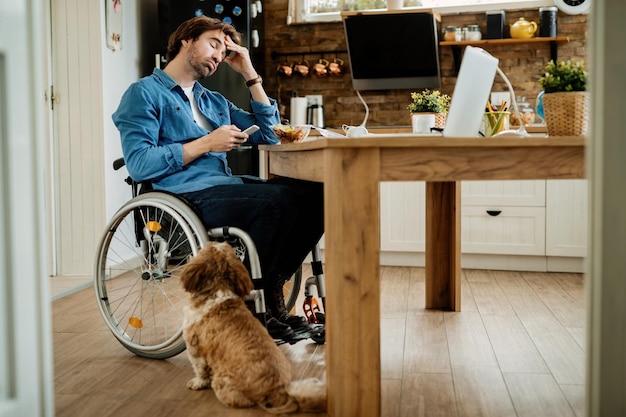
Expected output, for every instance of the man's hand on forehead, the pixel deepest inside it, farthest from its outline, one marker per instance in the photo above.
(228, 41)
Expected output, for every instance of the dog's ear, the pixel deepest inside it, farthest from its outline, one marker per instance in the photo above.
(239, 275)
(197, 275)
(192, 276)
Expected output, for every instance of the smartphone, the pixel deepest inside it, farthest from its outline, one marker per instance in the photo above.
(251, 130)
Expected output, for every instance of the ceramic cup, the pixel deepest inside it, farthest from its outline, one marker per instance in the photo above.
(394, 4)
(336, 67)
(285, 70)
(302, 68)
(320, 68)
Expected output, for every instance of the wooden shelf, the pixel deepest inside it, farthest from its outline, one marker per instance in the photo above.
(505, 41)
(457, 46)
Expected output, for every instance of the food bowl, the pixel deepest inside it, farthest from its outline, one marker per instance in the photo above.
(291, 134)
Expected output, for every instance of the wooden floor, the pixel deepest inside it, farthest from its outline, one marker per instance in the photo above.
(516, 349)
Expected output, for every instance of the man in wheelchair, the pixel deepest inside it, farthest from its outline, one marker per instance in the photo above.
(175, 134)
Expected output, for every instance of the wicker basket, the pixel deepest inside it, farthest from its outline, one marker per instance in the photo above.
(567, 113)
(440, 120)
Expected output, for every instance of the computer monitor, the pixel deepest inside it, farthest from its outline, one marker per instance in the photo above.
(393, 50)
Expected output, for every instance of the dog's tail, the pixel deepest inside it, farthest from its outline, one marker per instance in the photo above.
(307, 395)
(279, 402)
(310, 394)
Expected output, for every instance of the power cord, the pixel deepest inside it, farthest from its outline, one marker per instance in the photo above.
(361, 130)
(522, 130)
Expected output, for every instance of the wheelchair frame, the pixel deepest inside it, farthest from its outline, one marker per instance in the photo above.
(140, 256)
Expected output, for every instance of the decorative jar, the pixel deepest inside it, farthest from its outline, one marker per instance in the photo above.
(449, 33)
(473, 33)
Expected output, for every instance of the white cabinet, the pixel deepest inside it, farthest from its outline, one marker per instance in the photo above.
(402, 216)
(566, 218)
(525, 225)
(498, 217)
(503, 217)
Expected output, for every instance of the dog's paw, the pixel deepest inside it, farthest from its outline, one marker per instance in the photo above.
(198, 384)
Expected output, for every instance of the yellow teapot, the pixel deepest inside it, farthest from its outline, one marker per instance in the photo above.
(523, 29)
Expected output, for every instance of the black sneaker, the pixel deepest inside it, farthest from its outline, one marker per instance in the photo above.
(295, 322)
(276, 329)
(275, 300)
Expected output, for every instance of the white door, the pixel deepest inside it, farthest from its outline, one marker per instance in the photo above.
(25, 335)
(77, 171)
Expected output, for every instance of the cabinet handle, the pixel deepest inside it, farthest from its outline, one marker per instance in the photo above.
(494, 212)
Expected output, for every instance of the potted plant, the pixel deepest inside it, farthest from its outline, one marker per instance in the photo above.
(428, 105)
(565, 98)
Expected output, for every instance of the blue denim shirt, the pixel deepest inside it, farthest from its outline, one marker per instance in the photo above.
(154, 119)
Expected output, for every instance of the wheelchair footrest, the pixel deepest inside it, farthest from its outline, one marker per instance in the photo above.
(315, 332)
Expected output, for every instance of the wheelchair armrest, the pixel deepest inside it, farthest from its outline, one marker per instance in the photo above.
(138, 187)
(118, 163)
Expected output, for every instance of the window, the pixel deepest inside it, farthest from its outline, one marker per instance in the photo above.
(310, 11)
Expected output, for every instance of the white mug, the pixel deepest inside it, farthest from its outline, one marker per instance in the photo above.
(395, 4)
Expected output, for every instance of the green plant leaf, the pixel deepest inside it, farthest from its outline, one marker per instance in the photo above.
(429, 101)
(564, 76)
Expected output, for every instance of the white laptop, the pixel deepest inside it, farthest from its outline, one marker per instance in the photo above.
(471, 93)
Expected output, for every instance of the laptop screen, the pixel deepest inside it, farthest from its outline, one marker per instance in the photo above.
(471, 93)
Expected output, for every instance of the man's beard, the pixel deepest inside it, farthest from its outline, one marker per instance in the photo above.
(198, 65)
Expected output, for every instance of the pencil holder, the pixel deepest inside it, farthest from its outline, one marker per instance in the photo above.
(496, 122)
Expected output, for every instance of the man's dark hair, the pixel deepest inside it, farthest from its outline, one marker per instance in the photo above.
(193, 28)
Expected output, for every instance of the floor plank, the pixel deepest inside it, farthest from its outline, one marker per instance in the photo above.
(428, 395)
(481, 391)
(537, 395)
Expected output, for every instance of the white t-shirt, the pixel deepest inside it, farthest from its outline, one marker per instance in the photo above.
(197, 116)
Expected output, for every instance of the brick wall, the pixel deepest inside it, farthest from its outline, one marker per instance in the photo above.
(522, 63)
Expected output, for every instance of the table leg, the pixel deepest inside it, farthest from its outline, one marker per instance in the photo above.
(443, 245)
(352, 248)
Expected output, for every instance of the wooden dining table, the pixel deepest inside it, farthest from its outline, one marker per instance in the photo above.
(352, 170)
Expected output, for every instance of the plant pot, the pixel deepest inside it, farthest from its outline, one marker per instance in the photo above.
(439, 121)
(422, 122)
(567, 113)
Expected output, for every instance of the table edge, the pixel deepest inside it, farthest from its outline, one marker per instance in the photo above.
(428, 142)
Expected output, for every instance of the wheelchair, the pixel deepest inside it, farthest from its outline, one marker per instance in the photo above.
(140, 257)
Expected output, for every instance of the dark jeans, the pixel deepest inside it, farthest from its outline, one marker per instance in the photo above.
(284, 217)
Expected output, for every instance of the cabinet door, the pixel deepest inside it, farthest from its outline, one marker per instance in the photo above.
(530, 193)
(566, 218)
(402, 216)
(503, 230)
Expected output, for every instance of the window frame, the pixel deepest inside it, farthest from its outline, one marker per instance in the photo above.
(297, 10)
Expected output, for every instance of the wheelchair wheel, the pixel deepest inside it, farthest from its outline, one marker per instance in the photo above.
(291, 289)
(137, 268)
